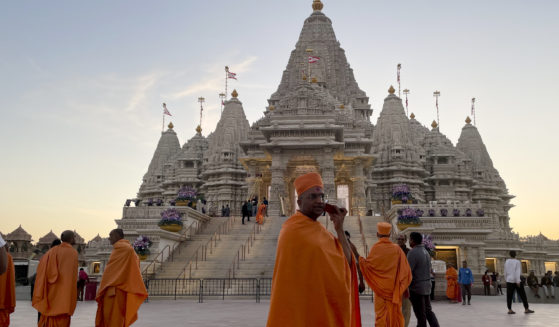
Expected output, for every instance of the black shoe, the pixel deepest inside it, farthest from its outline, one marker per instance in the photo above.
(469, 303)
(529, 311)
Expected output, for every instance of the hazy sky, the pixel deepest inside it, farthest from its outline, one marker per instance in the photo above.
(82, 85)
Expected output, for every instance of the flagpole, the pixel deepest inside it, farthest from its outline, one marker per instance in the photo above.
(163, 124)
(406, 92)
(474, 110)
(222, 97)
(226, 73)
(437, 94)
(399, 67)
(201, 100)
(309, 51)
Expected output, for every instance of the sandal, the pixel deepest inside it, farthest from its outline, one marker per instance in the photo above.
(511, 312)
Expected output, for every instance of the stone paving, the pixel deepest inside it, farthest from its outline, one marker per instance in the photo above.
(484, 311)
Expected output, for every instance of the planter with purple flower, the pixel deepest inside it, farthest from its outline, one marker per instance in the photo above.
(431, 212)
(141, 246)
(170, 220)
(444, 212)
(409, 218)
(480, 212)
(429, 244)
(186, 194)
(401, 194)
(468, 212)
(456, 212)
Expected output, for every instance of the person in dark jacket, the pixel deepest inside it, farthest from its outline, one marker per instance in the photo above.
(244, 211)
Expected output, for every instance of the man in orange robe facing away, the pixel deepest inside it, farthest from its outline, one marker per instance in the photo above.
(260, 214)
(452, 286)
(388, 273)
(122, 288)
(315, 277)
(55, 294)
(7, 292)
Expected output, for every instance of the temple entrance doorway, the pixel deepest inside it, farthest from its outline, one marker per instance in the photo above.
(297, 166)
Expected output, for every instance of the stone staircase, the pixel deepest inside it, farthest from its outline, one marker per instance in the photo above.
(259, 262)
(187, 250)
(256, 258)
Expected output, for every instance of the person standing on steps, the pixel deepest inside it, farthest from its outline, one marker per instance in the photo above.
(465, 279)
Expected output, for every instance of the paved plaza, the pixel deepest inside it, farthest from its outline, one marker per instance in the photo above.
(484, 311)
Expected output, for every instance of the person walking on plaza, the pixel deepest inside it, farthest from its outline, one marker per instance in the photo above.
(315, 274)
(82, 279)
(532, 281)
(244, 211)
(7, 289)
(122, 288)
(55, 294)
(420, 288)
(486, 279)
(452, 286)
(406, 303)
(499, 283)
(249, 207)
(387, 272)
(465, 279)
(556, 279)
(547, 285)
(512, 277)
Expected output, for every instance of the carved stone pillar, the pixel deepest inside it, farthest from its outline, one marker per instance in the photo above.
(358, 196)
(251, 180)
(327, 167)
(277, 187)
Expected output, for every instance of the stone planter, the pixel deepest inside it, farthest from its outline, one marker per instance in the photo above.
(402, 227)
(171, 228)
(181, 203)
(143, 256)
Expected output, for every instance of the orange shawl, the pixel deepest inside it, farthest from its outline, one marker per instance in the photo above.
(56, 289)
(122, 278)
(387, 272)
(452, 291)
(313, 285)
(260, 214)
(8, 287)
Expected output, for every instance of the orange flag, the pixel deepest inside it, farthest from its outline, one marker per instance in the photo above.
(56, 292)
(122, 288)
(388, 274)
(312, 282)
(7, 293)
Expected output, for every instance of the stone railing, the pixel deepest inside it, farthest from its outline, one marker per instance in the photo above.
(155, 213)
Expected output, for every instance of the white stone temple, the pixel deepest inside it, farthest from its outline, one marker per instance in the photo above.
(319, 120)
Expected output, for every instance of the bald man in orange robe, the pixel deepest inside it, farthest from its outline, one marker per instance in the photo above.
(260, 214)
(388, 273)
(122, 288)
(55, 294)
(7, 292)
(315, 277)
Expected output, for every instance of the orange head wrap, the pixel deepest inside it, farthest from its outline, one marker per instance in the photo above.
(384, 228)
(305, 182)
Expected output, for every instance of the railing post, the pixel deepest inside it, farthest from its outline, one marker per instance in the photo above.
(176, 282)
(223, 297)
(258, 291)
(201, 295)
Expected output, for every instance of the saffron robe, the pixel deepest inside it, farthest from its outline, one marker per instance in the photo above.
(7, 293)
(452, 286)
(122, 288)
(260, 214)
(313, 284)
(388, 274)
(55, 294)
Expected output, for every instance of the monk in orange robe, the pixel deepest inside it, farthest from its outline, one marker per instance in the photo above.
(7, 292)
(452, 286)
(55, 294)
(315, 277)
(388, 274)
(122, 288)
(260, 213)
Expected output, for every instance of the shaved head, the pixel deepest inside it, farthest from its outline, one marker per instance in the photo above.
(67, 237)
(116, 235)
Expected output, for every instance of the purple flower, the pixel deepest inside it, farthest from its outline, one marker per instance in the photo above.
(456, 212)
(468, 212)
(431, 212)
(480, 212)
(170, 216)
(141, 245)
(186, 193)
(444, 212)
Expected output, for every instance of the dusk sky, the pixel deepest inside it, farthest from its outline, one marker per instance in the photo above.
(82, 85)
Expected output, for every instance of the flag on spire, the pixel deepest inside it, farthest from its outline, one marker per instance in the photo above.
(165, 111)
(313, 59)
(231, 75)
